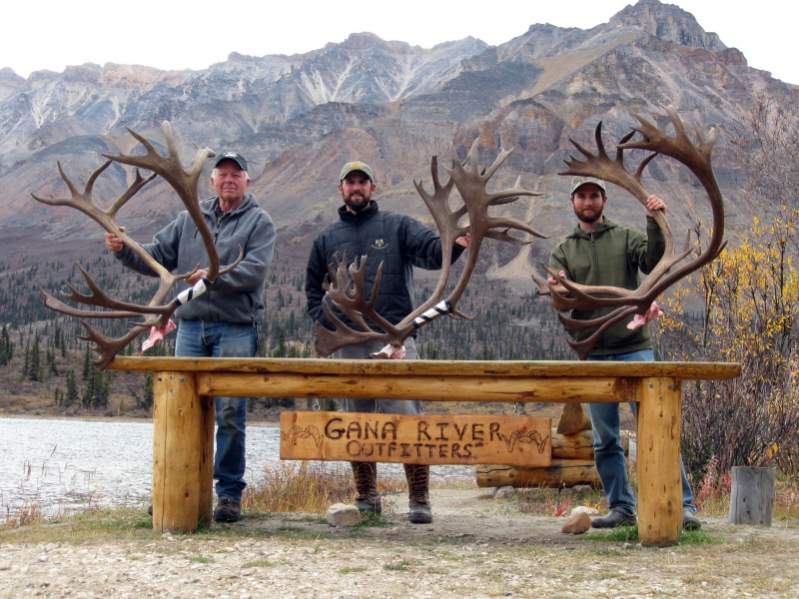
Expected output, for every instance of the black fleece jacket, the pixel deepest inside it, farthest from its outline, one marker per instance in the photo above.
(398, 241)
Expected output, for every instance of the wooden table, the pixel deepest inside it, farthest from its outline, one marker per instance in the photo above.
(183, 416)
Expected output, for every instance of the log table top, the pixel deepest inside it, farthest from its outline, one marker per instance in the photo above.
(483, 368)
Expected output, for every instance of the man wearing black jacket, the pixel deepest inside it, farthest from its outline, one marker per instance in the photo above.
(400, 243)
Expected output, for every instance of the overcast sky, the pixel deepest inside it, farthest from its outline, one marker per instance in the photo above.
(177, 34)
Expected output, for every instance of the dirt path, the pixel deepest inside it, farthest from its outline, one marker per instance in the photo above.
(477, 547)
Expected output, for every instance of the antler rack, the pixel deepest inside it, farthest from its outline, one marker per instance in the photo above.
(624, 303)
(346, 284)
(157, 311)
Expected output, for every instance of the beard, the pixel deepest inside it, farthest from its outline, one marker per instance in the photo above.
(357, 201)
(588, 216)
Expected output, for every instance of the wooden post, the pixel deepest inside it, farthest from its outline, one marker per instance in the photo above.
(207, 463)
(179, 433)
(752, 499)
(659, 485)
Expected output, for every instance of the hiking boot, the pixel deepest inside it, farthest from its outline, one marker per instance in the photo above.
(689, 520)
(419, 513)
(365, 475)
(613, 519)
(419, 510)
(227, 510)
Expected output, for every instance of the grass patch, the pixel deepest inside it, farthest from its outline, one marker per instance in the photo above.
(544, 501)
(629, 534)
(200, 559)
(128, 524)
(400, 566)
(373, 521)
(306, 534)
(306, 488)
(352, 569)
(27, 514)
(259, 563)
(698, 537)
(87, 526)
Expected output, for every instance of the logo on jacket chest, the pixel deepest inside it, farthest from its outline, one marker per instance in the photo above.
(379, 244)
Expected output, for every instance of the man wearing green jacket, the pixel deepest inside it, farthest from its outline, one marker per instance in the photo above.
(601, 252)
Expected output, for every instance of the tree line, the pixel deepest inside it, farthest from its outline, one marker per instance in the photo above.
(46, 350)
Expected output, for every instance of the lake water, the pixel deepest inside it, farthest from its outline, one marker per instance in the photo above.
(67, 465)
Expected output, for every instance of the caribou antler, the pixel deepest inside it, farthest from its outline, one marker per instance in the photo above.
(345, 285)
(157, 311)
(568, 295)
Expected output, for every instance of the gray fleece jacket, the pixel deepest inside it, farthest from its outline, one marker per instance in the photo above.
(235, 297)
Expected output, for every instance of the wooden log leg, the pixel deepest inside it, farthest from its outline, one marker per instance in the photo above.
(178, 433)
(659, 486)
(207, 463)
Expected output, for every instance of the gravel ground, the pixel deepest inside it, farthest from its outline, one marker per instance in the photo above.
(477, 547)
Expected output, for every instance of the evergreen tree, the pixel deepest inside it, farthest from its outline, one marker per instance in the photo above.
(52, 367)
(60, 344)
(25, 363)
(6, 347)
(280, 350)
(89, 390)
(71, 396)
(100, 399)
(147, 399)
(88, 367)
(34, 363)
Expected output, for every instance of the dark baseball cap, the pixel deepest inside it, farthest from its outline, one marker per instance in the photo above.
(234, 156)
(356, 166)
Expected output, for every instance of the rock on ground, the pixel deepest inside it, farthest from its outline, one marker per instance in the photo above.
(342, 514)
(576, 524)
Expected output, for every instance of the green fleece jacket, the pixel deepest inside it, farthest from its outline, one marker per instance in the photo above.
(612, 255)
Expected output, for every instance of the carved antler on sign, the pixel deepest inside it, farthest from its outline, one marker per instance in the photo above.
(346, 284)
(156, 312)
(568, 295)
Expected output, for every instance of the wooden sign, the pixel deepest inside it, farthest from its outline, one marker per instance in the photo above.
(359, 437)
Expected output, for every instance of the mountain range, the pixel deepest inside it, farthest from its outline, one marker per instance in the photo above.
(298, 118)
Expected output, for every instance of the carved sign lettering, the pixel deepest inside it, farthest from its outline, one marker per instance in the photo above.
(512, 440)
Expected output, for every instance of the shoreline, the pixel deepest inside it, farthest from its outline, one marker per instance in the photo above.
(100, 418)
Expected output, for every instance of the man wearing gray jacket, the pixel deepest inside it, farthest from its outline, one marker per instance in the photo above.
(222, 322)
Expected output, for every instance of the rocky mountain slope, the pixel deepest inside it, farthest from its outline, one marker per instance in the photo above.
(298, 118)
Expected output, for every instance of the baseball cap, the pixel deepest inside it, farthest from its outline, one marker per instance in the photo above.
(578, 182)
(357, 165)
(234, 156)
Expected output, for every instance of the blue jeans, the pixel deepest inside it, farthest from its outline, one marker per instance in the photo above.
(381, 406)
(608, 452)
(198, 338)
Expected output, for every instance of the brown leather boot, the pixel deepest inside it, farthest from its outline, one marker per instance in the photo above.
(419, 511)
(365, 475)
